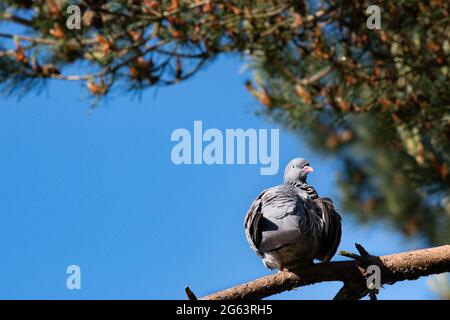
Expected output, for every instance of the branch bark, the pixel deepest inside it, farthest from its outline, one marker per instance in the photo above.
(395, 267)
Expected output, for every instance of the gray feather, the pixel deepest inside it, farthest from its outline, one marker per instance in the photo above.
(331, 233)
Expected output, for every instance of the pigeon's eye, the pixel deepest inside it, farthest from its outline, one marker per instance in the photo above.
(293, 166)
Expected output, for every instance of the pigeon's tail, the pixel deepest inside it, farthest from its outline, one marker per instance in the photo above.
(351, 292)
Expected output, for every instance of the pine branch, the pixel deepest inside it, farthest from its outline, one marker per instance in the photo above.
(395, 267)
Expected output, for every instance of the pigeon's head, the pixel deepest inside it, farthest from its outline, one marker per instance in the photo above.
(297, 170)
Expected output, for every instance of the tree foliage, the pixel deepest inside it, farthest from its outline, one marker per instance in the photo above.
(374, 99)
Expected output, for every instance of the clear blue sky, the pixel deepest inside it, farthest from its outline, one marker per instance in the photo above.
(97, 188)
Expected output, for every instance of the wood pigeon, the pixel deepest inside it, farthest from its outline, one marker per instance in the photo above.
(289, 225)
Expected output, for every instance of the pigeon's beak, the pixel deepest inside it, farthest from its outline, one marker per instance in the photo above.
(308, 169)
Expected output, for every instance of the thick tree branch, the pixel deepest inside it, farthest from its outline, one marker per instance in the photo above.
(395, 267)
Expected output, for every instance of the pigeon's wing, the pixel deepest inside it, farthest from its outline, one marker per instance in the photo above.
(278, 217)
(252, 223)
(331, 233)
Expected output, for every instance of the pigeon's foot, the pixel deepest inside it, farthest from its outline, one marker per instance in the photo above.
(295, 267)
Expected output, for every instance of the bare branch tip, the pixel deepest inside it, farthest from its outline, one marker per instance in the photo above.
(348, 254)
(362, 251)
(190, 294)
